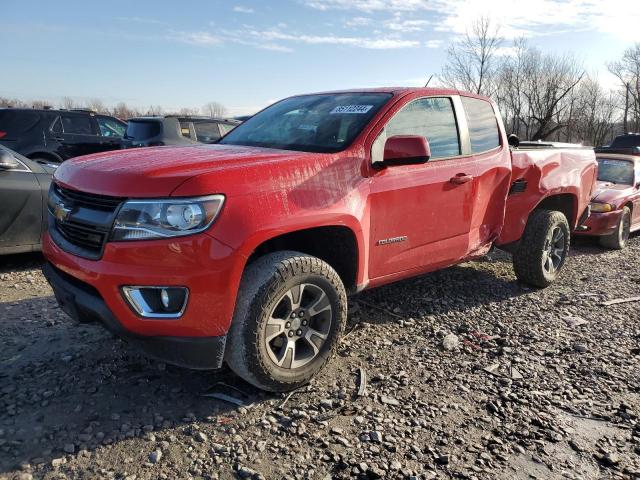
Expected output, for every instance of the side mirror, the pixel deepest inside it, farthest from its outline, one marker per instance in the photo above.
(7, 162)
(513, 140)
(405, 150)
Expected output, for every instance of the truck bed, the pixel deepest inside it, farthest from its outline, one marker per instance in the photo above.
(540, 171)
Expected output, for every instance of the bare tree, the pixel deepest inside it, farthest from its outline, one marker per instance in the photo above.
(214, 109)
(155, 110)
(124, 112)
(96, 105)
(68, 103)
(627, 70)
(534, 91)
(40, 104)
(186, 111)
(471, 62)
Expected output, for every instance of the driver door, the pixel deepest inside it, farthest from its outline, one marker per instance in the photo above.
(420, 218)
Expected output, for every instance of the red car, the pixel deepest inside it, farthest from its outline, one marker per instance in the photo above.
(245, 251)
(615, 206)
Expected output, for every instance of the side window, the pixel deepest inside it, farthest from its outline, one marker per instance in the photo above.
(77, 124)
(637, 173)
(207, 132)
(483, 126)
(185, 129)
(110, 127)
(226, 128)
(432, 118)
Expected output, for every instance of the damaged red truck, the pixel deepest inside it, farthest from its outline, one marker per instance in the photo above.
(244, 252)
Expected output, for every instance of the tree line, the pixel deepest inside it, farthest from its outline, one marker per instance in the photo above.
(120, 110)
(545, 96)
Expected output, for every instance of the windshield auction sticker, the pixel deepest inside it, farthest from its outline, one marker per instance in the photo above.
(357, 109)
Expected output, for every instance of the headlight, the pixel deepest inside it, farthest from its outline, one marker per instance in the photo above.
(598, 207)
(170, 217)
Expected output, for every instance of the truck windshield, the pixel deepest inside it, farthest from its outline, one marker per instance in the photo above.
(310, 123)
(615, 171)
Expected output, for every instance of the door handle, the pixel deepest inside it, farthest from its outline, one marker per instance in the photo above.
(461, 178)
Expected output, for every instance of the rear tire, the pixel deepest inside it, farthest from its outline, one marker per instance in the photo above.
(290, 313)
(618, 239)
(543, 248)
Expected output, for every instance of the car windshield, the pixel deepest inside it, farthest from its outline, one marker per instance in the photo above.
(142, 129)
(309, 123)
(615, 171)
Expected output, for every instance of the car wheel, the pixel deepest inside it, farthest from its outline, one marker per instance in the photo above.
(543, 248)
(290, 313)
(618, 239)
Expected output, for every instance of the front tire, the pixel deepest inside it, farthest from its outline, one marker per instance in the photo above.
(543, 248)
(618, 239)
(290, 313)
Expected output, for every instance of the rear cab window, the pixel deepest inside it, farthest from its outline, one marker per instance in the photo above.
(482, 123)
(142, 129)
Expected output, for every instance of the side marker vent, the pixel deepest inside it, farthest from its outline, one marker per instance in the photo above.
(519, 186)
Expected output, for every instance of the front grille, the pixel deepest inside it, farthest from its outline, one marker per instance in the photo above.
(82, 236)
(89, 200)
(85, 226)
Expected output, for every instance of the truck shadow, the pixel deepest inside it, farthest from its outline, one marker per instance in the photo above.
(459, 288)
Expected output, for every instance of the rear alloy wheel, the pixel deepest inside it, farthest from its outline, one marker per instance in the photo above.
(543, 248)
(618, 239)
(290, 313)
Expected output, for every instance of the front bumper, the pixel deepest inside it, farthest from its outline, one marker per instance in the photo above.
(601, 224)
(83, 303)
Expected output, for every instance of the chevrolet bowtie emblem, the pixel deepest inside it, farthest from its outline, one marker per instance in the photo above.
(61, 213)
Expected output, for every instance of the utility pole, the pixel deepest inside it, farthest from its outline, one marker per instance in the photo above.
(626, 107)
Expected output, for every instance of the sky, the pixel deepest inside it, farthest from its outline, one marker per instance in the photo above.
(247, 54)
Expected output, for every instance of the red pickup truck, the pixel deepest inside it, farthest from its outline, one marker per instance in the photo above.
(244, 251)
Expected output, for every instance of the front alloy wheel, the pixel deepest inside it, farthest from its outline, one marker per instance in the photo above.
(290, 312)
(298, 326)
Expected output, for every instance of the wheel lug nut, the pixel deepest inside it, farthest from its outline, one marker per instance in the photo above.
(304, 323)
(293, 315)
(291, 333)
(299, 332)
(288, 324)
(301, 314)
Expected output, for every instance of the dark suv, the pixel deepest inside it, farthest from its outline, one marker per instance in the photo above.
(627, 140)
(175, 130)
(56, 135)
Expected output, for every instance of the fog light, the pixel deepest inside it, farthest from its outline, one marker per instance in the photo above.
(164, 296)
(157, 302)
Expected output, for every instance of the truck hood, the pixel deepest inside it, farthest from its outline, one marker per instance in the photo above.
(157, 172)
(607, 192)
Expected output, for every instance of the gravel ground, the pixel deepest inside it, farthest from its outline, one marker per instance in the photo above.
(468, 375)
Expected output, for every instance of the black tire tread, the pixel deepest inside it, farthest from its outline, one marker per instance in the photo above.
(527, 258)
(259, 283)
